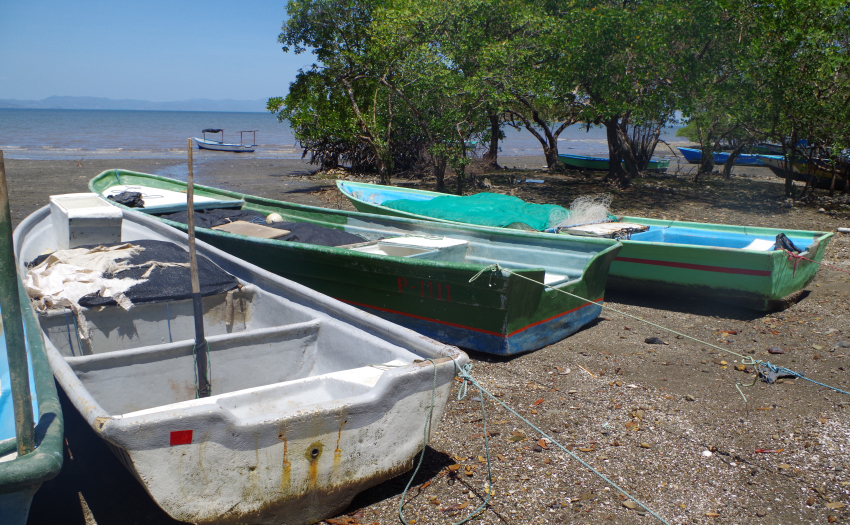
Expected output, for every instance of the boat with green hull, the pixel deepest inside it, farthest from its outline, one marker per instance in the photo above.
(418, 274)
(583, 162)
(21, 476)
(737, 264)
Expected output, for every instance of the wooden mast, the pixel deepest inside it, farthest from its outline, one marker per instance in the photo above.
(203, 385)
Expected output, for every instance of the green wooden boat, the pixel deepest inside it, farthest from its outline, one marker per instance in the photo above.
(582, 162)
(417, 273)
(735, 264)
(20, 477)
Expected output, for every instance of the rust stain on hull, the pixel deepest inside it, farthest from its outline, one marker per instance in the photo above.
(314, 452)
(286, 475)
(337, 451)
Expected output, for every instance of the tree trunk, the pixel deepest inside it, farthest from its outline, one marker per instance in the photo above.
(727, 169)
(706, 162)
(440, 172)
(615, 153)
(492, 154)
(789, 172)
(460, 175)
(550, 140)
(383, 172)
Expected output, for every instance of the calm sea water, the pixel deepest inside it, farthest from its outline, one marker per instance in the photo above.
(75, 134)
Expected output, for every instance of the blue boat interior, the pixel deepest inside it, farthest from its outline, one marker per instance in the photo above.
(7, 412)
(378, 196)
(715, 239)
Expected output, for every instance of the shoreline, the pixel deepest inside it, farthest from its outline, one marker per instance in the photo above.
(32, 181)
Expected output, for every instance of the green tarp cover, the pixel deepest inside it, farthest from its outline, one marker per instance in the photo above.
(485, 209)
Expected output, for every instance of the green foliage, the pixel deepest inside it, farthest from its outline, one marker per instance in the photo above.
(398, 83)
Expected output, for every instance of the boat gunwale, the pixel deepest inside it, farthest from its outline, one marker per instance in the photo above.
(412, 262)
(46, 460)
(444, 355)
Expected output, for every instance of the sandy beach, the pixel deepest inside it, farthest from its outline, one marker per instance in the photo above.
(665, 422)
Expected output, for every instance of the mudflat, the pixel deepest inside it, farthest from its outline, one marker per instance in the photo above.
(665, 422)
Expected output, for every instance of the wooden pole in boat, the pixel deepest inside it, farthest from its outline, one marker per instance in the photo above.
(13, 327)
(200, 341)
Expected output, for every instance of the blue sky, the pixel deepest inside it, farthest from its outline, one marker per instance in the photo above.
(149, 50)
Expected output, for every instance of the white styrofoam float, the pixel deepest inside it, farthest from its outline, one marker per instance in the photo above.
(84, 218)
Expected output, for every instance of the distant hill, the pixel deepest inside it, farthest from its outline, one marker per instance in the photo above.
(141, 105)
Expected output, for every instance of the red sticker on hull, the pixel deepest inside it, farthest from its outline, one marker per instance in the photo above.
(181, 437)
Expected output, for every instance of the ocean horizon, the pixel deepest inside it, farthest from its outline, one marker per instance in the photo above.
(56, 134)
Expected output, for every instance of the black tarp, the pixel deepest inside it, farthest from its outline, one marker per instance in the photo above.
(309, 233)
(211, 130)
(163, 284)
(216, 217)
(131, 199)
(303, 232)
(784, 243)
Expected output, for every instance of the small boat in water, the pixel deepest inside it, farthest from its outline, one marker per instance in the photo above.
(819, 175)
(737, 264)
(582, 162)
(21, 476)
(312, 400)
(414, 273)
(694, 156)
(220, 145)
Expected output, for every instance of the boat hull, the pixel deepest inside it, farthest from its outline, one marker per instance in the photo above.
(754, 279)
(761, 280)
(285, 451)
(224, 146)
(694, 156)
(267, 473)
(501, 313)
(582, 162)
(804, 172)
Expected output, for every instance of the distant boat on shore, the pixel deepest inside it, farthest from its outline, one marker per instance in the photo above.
(819, 174)
(694, 156)
(220, 145)
(583, 162)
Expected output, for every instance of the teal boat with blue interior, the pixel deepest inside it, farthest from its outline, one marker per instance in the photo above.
(745, 265)
(21, 476)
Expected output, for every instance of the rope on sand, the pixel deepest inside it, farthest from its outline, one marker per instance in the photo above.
(766, 365)
(465, 374)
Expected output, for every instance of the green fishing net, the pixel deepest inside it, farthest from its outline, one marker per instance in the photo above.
(486, 209)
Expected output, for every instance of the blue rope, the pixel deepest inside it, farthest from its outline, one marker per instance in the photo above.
(465, 375)
(783, 370)
(481, 508)
(493, 268)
